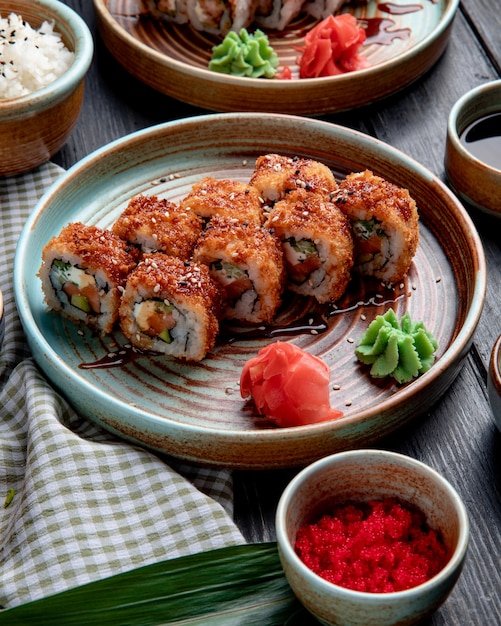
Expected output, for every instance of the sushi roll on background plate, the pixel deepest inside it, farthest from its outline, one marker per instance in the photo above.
(385, 223)
(172, 307)
(247, 261)
(317, 242)
(83, 271)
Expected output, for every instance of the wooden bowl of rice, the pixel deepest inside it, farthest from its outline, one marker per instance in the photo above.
(46, 52)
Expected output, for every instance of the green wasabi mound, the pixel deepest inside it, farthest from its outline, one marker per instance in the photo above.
(403, 351)
(245, 54)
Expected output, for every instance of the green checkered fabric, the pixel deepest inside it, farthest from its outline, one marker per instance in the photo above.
(76, 503)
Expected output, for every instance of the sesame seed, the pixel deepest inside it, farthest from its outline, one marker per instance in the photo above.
(336, 387)
(350, 340)
(348, 403)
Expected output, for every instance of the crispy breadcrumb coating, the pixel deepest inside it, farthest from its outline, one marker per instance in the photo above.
(318, 244)
(255, 256)
(187, 286)
(385, 223)
(158, 225)
(276, 175)
(229, 198)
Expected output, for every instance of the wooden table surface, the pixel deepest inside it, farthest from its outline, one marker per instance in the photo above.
(457, 437)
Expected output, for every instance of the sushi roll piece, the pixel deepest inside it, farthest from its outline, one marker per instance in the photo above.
(247, 261)
(158, 225)
(317, 244)
(276, 175)
(277, 14)
(210, 16)
(171, 307)
(226, 197)
(83, 272)
(167, 10)
(385, 223)
(242, 13)
(321, 9)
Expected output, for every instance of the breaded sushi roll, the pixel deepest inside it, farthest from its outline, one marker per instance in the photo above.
(385, 224)
(247, 261)
(171, 307)
(167, 10)
(220, 16)
(226, 197)
(158, 225)
(83, 272)
(277, 14)
(317, 243)
(276, 175)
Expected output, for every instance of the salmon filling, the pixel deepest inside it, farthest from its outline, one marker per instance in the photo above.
(301, 259)
(369, 239)
(155, 318)
(234, 280)
(80, 287)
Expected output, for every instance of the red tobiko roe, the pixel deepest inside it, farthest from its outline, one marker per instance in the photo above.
(288, 385)
(332, 47)
(381, 546)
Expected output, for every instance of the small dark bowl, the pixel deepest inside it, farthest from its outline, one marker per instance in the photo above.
(475, 182)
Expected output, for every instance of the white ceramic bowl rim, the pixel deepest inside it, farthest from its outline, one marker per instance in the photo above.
(368, 597)
(455, 112)
(59, 88)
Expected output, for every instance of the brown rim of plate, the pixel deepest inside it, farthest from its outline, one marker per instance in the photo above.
(173, 59)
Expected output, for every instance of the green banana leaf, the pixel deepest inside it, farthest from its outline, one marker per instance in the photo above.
(235, 586)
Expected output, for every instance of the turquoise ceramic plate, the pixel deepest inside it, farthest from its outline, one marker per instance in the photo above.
(195, 411)
(404, 40)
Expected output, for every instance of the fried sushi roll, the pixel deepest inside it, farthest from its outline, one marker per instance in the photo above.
(317, 243)
(83, 271)
(247, 261)
(171, 307)
(226, 197)
(158, 225)
(277, 14)
(276, 175)
(385, 224)
(167, 10)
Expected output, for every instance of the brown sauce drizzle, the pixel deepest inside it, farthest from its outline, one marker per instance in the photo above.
(314, 322)
(378, 31)
(397, 9)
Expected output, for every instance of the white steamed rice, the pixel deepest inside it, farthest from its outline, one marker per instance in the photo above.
(29, 59)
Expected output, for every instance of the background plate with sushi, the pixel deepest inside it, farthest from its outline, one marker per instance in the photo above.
(195, 411)
(404, 41)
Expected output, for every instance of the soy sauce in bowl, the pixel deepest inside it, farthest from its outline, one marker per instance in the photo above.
(482, 138)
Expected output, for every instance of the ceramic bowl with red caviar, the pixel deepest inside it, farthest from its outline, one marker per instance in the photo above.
(371, 537)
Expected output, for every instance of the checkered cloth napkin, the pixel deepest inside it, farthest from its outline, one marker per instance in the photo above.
(76, 503)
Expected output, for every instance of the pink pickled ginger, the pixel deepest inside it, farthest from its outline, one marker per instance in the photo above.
(288, 385)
